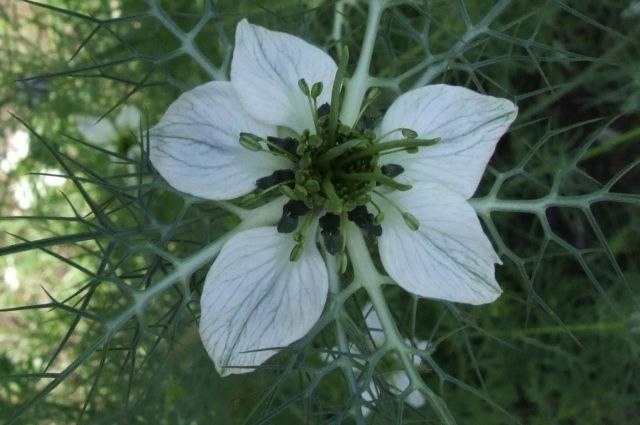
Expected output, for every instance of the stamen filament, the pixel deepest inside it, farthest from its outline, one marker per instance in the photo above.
(336, 151)
(409, 219)
(381, 178)
(380, 147)
(336, 90)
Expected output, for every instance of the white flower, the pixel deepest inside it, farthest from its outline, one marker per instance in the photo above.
(17, 149)
(102, 131)
(271, 128)
(11, 278)
(23, 194)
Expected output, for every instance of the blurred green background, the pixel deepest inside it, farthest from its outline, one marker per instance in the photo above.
(84, 217)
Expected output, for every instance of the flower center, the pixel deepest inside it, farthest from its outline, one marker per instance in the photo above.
(335, 169)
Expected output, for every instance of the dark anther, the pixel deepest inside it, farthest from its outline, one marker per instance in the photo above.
(290, 213)
(275, 178)
(368, 121)
(287, 223)
(359, 215)
(287, 144)
(324, 110)
(330, 225)
(365, 220)
(375, 230)
(392, 170)
(295, 208)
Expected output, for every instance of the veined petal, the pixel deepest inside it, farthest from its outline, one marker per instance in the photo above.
(255, 300)
(266, 68)
(469, 125)
(196, 148)
(449, 257)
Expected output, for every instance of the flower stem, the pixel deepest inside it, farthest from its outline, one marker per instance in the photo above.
(359, 83)
(366, 274)
(341, 336)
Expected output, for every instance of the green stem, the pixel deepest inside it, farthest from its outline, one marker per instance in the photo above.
(552, 330)
(341, 336)
(359, 83)
(338, 22)
(366, 274)
(629, 136)
(186, 40)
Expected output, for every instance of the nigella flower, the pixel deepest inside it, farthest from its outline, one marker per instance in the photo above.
(274, 130)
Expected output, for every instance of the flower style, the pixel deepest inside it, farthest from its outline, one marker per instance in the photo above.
(274, 130)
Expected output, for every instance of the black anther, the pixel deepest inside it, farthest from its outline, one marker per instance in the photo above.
(287, 144)
(330, 225)
(392, 170)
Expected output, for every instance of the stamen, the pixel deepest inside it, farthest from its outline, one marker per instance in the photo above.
(334, 203)
(301, 235)
(284, 144)
(330, 225)
(340, 149)
(409, 219)
(316, 90)
(381, 178)
(312, 96)
(250, 141)
(277, 177)
(380, 214)
(296, 252)
(290, 213)
(392, 170)
(324, 110)
(408, 133)
(405, 144)
(365, 220)
(336, 93)
(304, 87)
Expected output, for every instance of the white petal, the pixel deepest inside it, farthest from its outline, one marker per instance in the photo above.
(96, 130)
(469, 125)
(196, 148)
(449, 257)
(266, 68)
(255, 300)
(128, 120)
